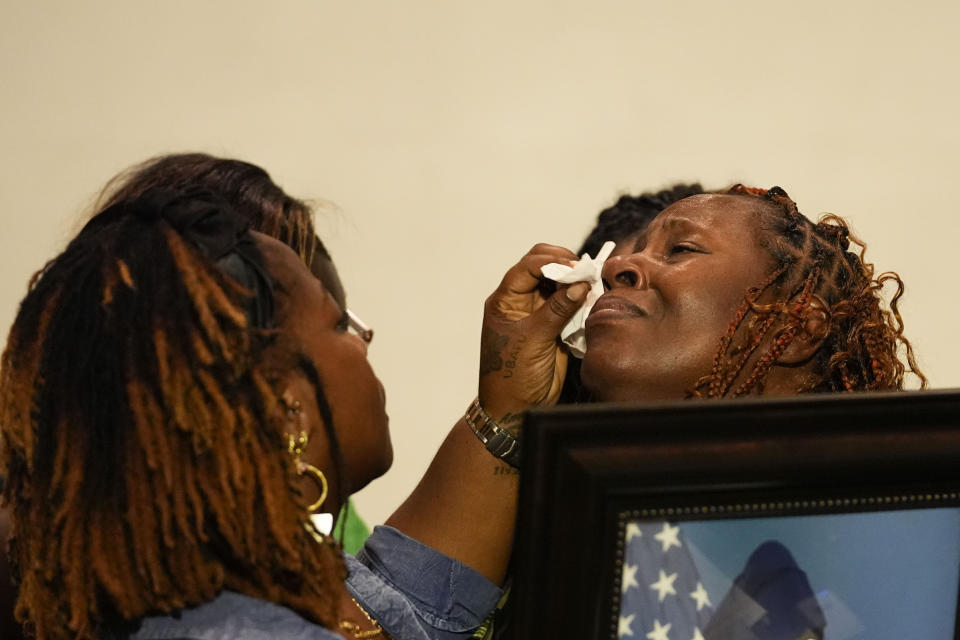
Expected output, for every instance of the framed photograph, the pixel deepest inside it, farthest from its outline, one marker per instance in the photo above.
(828, 517)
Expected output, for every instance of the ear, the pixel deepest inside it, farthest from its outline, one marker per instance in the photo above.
(814, 329)
(297, 404)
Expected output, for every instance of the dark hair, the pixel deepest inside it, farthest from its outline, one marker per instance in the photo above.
(247, 187)
(863, 342)
(629, 215)
(145, 463)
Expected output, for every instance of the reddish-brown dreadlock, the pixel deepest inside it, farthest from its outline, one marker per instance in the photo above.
(145, 465)
(864, 341)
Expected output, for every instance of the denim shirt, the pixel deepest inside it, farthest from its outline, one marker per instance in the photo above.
(413, 591)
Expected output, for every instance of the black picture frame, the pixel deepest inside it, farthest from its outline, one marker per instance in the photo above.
(586, 468)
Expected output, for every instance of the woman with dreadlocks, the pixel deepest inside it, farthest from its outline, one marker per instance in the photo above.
(178, 393)
(254, 196)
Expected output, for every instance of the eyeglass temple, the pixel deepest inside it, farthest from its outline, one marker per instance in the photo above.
(365, 332)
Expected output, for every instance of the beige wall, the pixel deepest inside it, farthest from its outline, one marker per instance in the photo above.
(454, 135)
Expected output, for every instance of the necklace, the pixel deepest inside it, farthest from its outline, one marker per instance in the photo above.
(354, 628)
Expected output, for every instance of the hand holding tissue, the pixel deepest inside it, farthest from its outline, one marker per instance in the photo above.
(589, 270)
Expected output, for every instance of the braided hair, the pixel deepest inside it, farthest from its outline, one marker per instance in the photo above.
(864, 340)
(143, 452)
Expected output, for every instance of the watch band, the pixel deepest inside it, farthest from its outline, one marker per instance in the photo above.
(497, 441)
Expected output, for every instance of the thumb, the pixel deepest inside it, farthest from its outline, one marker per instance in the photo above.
(549, 319)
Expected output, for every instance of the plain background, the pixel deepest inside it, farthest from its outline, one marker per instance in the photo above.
(452, 136)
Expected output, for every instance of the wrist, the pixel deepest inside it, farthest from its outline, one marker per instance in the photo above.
(502, 440)
(504, 408)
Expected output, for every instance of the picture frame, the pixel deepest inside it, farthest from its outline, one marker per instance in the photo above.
(589, 471)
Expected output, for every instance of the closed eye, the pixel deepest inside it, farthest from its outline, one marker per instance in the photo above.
(684, 247)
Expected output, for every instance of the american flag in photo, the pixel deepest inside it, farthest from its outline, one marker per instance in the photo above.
(661, 596)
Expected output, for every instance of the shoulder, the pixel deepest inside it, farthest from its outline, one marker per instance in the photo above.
(232, 616)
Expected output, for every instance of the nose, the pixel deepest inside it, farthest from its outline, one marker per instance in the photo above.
(624, 271)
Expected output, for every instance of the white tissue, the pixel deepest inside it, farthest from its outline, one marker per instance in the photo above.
(587, 269)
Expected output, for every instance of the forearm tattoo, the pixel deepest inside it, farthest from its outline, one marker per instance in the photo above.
(512, 423)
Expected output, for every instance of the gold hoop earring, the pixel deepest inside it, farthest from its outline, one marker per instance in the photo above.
(321, 479)
(296, 444)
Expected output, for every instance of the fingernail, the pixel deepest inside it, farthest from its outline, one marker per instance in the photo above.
(577, 292)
